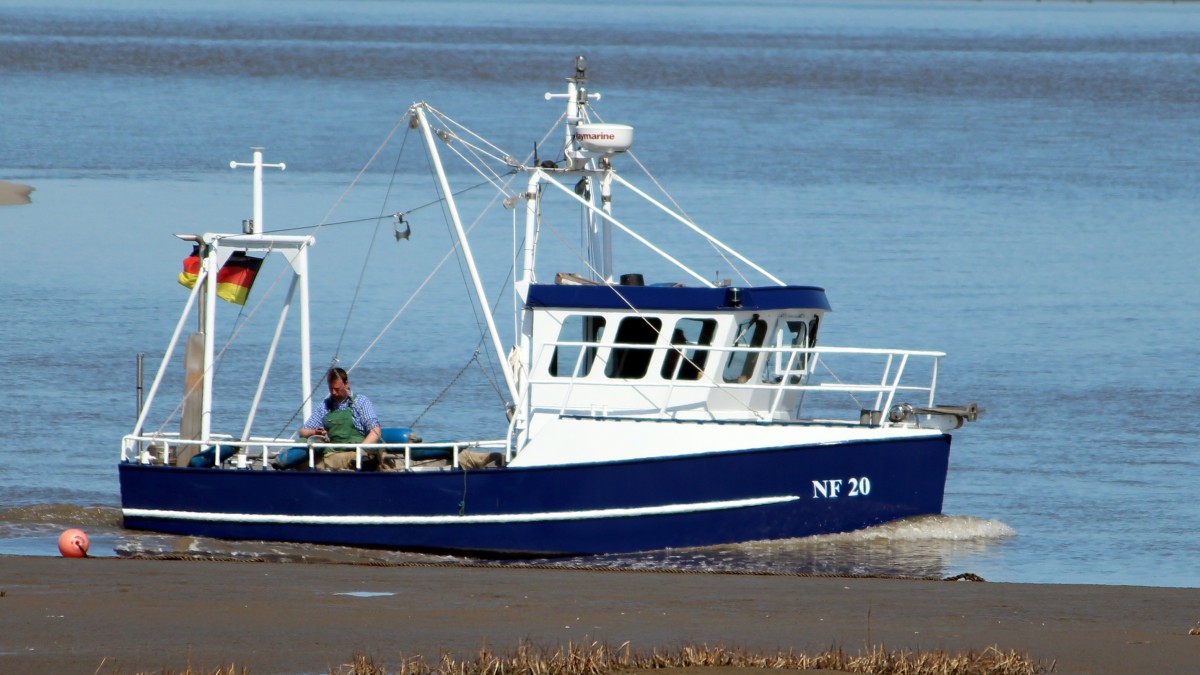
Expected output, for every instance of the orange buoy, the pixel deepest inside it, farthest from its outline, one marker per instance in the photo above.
(73, 544)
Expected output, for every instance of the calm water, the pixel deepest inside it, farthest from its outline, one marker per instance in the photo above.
(1013, 183)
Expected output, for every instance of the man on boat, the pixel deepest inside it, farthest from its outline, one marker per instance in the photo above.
(344, 418)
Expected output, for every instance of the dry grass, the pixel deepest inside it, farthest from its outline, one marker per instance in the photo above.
(600, 659)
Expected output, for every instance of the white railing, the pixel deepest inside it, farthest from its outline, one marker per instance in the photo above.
(785, 383)
(258, 452)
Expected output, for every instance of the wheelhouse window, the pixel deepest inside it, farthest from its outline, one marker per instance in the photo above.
(740, 366)
(633, 362)
(791, 332)
(685, 360)
(576, 360)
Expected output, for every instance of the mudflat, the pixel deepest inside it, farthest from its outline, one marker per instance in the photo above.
(107, 614)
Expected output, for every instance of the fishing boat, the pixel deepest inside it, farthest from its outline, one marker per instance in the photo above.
(652, 409)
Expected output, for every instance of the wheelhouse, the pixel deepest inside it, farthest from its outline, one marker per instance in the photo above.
(668, 350)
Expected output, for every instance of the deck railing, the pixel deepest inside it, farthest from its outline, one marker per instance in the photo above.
(162, 448)
(783, 383)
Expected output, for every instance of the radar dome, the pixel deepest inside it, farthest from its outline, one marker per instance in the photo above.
(604, 139)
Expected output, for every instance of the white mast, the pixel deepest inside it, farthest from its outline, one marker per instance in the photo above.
(256, 222)
(588, 148)
(599, 237)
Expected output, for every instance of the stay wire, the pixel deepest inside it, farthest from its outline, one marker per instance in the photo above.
(335, 359)
(355, 221)
(442, 393)
(645, 171)
(370, 248)
(480, 326)
(477, 160)
(420, 288)
(441, 201)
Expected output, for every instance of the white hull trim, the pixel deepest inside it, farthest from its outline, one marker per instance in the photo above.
(665, 510)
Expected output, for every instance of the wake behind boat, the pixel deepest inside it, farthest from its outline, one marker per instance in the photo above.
(640, 412)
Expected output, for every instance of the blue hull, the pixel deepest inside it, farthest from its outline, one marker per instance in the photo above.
(749, 495)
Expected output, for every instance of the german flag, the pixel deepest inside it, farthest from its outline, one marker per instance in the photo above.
(191, 268)
(236, 276)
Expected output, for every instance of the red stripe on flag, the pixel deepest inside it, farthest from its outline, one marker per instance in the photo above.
(191, 268)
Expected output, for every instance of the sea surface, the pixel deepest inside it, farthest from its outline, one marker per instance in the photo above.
(1014, 183)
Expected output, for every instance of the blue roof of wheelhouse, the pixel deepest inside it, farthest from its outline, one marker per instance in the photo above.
(680, 298)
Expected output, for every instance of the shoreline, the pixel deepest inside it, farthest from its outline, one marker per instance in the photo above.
(72, 615)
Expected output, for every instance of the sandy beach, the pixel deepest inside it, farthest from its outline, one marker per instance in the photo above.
(12, 194)
(72, 615)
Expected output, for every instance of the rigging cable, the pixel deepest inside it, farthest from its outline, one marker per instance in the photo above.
(732, 265)
(325, 220)
(474, 358)
(370, 247)
(335, 359)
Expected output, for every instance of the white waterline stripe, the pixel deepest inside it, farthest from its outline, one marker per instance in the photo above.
(669, 509)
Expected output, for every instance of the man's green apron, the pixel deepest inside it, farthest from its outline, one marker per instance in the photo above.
(339, 424)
